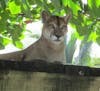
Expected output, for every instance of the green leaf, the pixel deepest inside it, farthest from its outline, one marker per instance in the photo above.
(56, 3)
(1, 39)
(3, 20)
(97, 27)
(18, 44)
(94, 3)
(94, 6)
(14, 9)
(96, 61)
(3, 4)
(6, 41)
(74, 6)
(93, 36)
(90, 3)
(31, 2)
(2, 46)
(97, 3)
(98, 40)
(65, 2)
(1, 43)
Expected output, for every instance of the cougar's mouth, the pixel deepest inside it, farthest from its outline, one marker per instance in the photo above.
(55, 38)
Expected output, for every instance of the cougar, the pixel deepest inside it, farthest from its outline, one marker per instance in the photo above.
(50, 47)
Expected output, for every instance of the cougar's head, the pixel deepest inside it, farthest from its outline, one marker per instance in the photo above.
(54, 27)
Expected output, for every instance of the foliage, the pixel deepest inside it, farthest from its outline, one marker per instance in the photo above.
(97, 61)
(14, 14)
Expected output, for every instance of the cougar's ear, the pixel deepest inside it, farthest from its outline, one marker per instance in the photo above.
(45, 15)
(67, 17)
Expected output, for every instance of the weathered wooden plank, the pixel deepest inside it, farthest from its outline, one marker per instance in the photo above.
(40, 81)
(42, 66)
(42, 76)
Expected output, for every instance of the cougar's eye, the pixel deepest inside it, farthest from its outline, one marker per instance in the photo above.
(64, 28)
(51, 27)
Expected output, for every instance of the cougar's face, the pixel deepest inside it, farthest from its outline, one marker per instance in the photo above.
(54, 28)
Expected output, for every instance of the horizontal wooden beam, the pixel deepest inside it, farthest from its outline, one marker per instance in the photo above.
(42, 66)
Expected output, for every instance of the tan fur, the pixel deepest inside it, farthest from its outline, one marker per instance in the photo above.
(48, 47)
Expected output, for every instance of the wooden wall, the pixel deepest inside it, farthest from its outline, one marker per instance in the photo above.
(16, 76)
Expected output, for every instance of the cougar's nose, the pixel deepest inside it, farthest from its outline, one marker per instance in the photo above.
(58, 36)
